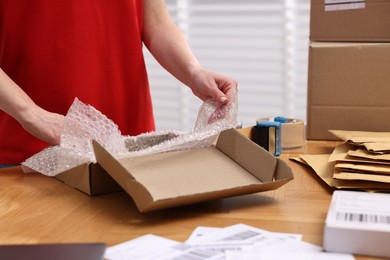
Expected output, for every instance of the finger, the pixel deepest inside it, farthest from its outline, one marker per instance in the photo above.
(219, 113)
(230, 91)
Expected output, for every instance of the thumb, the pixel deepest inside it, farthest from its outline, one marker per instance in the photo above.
(219, 96)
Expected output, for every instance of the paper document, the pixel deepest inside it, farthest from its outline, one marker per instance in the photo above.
(233, 242)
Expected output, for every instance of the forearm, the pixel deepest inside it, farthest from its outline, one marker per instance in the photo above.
(42, 124)
(167, 43)
(13, 100)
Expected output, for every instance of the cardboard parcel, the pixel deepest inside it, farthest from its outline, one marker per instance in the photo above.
(350, 21)
(347, 88)
(234, 166)
(161, 169)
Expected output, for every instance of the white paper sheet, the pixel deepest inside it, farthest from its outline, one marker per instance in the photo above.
(287, 256)
(238, 241)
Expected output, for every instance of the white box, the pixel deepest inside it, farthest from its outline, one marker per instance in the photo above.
(358, 223)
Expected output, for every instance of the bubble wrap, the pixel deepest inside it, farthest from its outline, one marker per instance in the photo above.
(83, 123)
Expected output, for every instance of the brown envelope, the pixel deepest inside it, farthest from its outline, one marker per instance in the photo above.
(363, 153)
(359, 137)
(340, 154)
(325, 170)
(363, 168)
(377, 147)
(298, 159)
(362, 177)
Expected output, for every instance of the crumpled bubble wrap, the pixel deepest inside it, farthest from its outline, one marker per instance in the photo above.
(83, 123)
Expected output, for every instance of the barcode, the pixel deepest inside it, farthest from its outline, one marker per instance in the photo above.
(362, 218)
(242, 236)
(197, 254)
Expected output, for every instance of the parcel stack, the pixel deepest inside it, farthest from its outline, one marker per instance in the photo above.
(349, 73)
(361, 162)
(364, 157)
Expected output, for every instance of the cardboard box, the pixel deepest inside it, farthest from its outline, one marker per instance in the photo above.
(358, 223)
(350, 21)
(89, 178)
(234, 166)
(348, 88)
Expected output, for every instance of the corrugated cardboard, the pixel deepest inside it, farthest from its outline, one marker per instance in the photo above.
(92, 179)
(358, 223)
(234, 166)
(89, 178)
(348, 88)
(370, 23)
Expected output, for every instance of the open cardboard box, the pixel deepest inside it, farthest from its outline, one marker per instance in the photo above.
(89, 178)
(234, 166)
(92, 179)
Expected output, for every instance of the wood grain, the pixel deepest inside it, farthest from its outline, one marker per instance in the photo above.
(39, 209)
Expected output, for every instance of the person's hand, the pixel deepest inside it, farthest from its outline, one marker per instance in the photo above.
(206, 84)
(221, 89)
(44, 125)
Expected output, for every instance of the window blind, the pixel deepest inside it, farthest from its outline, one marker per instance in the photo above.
(260, 43)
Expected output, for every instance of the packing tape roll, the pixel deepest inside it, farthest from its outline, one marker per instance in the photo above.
(292, 132)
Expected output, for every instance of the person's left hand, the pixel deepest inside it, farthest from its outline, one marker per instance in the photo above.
(207, 84)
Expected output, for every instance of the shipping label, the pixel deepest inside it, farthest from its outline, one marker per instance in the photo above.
(336, 5)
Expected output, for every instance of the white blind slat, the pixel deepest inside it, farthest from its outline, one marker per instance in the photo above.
(261, 44)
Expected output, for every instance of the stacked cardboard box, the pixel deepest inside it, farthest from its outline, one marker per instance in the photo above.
(349, 67)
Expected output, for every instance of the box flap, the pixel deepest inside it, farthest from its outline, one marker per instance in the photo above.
(261, 156)
(182, 177)
(100, 181)
(77, 177)
(89, 178)
(247, 154)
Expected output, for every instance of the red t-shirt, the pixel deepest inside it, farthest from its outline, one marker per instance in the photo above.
(58, 50)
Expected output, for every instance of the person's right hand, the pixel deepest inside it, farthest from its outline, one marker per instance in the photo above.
(15, 102)
(43, 124)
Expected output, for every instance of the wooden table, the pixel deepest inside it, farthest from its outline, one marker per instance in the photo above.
(39, 209)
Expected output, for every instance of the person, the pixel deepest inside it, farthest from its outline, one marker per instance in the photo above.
(54, 51)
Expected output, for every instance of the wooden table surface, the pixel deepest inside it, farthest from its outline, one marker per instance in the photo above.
(39, 209)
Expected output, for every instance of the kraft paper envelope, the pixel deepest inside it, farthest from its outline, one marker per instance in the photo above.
(366, 172)
(364, 168)
(340, 154)
(359, 137)
(377, 147)
(325, 170)
(362, 177)
(319, 163)
(298, 159)
(363, 153)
